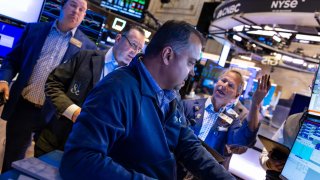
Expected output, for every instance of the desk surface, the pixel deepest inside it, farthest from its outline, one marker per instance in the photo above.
(53, 158)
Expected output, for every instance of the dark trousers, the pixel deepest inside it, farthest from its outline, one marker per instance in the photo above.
(24, 121)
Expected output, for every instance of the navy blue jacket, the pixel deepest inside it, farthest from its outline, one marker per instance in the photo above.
(24, 56)
(237, 134)
(121, 133)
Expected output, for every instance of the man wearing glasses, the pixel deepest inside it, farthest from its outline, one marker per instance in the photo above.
(67, 86)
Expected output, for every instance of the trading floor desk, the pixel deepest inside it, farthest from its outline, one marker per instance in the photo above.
(53, 158)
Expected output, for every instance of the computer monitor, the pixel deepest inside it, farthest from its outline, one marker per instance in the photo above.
(133, 9)
(314, 106)
(9, 36)
(26, 11)
(304, 159)
(209, 76)
(91, 25)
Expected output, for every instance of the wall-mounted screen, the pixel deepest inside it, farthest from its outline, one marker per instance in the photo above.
(91, 25)
(22, 10)
(9, 36)
(130, 8)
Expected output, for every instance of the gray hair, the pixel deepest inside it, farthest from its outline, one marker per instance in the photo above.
(241, 85)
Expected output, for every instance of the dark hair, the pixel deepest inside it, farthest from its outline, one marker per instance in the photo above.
(172, 33)
(241, 85)
(129, 27)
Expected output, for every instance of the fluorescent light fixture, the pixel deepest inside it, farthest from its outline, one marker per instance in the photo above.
(297, 61)
(238, 28)
(311, 66)
(304, 41)
(285, 35)
(224, 54)
(256, 27)
(285, 30)
(246, 58)
(308, 37)
(268, 28)
(287, 58)
(262, 32)
(276, 38)
(237, 38)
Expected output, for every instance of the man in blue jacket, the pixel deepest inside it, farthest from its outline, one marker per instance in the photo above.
(129, 126)
(42, 47)
(215, 121)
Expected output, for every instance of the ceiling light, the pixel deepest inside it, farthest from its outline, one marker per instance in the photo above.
(308, 37)
(285, 30)
(238, 28)
(254, 45)
(262, 32)
(311, 66)
(276, 38)
(297, 61)
(285, 35)
(246, 58)
(287, 58)
(256, 27)
(237, 38)
(304, 41)
(268, 28)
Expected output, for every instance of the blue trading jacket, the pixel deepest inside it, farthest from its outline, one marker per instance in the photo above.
(122, 134)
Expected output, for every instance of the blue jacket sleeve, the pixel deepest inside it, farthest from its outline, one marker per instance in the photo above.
(240, 134)
(12, 63)
(99, 126)
(197, 159)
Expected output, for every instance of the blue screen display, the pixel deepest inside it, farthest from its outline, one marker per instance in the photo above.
(9, 36)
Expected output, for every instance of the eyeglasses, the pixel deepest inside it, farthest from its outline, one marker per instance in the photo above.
(133, 45)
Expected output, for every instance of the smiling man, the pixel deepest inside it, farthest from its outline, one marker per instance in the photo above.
(216, 123)
(129, 126)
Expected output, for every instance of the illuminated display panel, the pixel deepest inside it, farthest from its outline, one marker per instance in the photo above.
(9, 36)
(26, 11)
(129, 8)
(91, 25)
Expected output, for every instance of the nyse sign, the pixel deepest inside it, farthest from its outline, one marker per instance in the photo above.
(270, 62)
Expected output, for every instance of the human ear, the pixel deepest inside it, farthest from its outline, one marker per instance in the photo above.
(167, 55)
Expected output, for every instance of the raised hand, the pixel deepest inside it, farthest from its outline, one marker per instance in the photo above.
(262, 89)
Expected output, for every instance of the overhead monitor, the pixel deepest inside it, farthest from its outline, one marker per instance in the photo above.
(26, 11)
(224, 55)
(9, 36)
(91, 25)
(133, 9)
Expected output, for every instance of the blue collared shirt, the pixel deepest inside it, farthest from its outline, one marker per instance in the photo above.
(164, 97)
(52, 53)
(110, 63)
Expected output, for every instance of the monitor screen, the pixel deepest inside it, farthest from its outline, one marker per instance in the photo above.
(209, 76)
(224, 55)
(91, 25)
(9, 36)
(26, 11)
(304, 158)
(314, 106)
(130, 8)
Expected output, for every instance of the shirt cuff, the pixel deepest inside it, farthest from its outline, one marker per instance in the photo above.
(70, 111)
